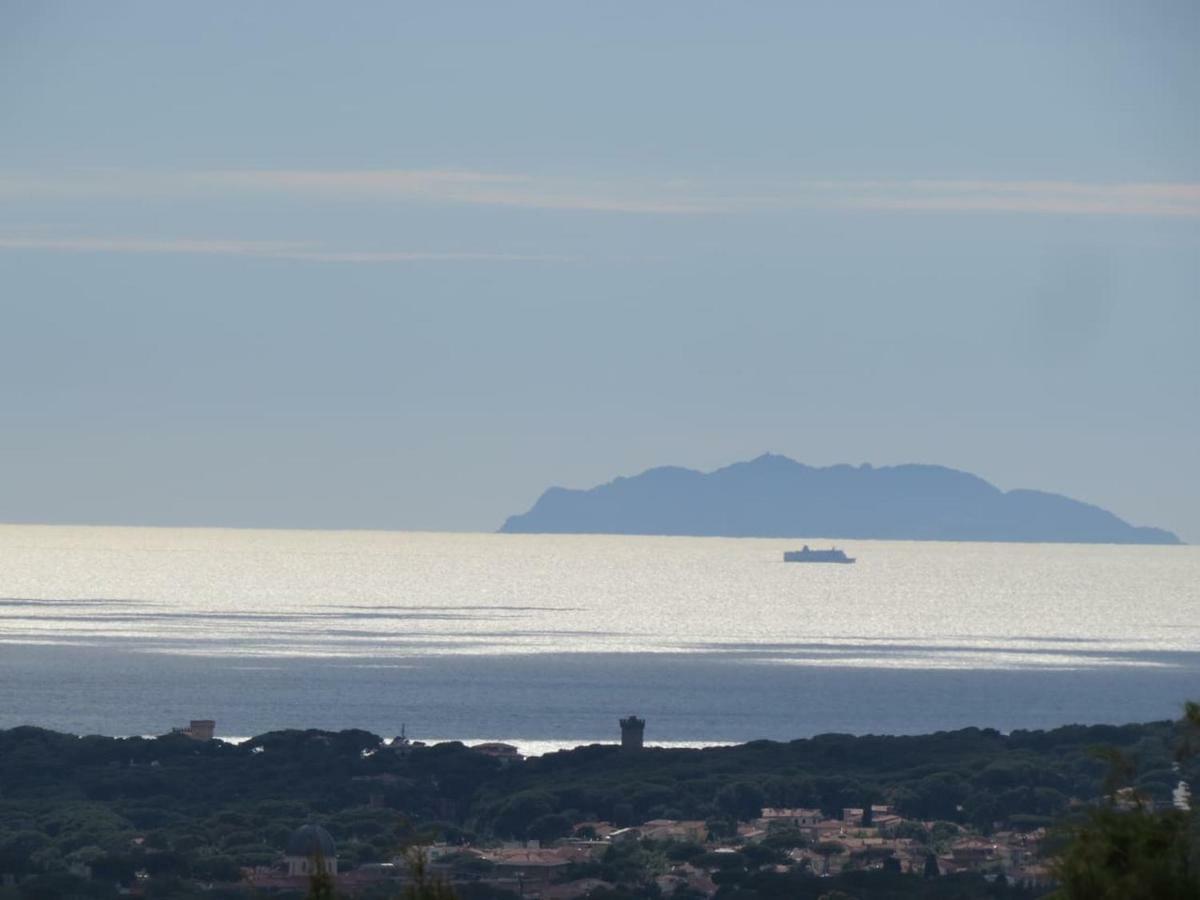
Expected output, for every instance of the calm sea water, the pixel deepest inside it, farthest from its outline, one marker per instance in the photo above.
(546, 640)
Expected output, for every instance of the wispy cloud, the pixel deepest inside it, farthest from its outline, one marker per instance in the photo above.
(425, 186)
(1053, 197)
(256, 249)
(631, 195)
(695, 197)
(469, 187)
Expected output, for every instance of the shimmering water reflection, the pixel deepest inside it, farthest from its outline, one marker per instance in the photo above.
(336, 609)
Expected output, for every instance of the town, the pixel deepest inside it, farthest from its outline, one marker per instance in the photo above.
(698, 861)
(974, 813)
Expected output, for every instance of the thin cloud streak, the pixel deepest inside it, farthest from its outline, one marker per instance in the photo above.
(629, 195)
(680, 197)
(427, 186)
(257, 249)
(466, 187)
(1048, 197)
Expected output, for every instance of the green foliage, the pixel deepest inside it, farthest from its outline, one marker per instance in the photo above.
(320, 885)
(684, 851)
(1129, 855)
(762, 854)
(422, 885)
(521, 810)
(201, 810)
(742, 800)
(911, 830)
(787, 838)
(1125, 848)
(720, 828)
(17, 850)
(878, 884)
(931, 870)
(941, 834)
(549, 827)
(216, 868)
(630, 862)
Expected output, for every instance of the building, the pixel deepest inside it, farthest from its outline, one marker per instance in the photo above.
(532, 865)
(310, 850)
(497, 750)
(675, 830)
(880, 816)
(794, 818)
(198, 730)
(632, 731)
(972, 851)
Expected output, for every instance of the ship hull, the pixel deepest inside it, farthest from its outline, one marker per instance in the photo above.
(817, 556)
(834, 562)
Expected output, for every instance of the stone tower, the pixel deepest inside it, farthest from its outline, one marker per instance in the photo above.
(631, 733)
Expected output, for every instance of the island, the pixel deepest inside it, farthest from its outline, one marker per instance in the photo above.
(774, 496)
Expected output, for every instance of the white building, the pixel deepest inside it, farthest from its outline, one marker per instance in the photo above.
(310, 850)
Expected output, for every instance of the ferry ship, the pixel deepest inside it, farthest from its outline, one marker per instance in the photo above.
(832, 555)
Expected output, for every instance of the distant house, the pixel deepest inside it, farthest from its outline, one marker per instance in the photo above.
(625, 834)
(972, 851)
(880, 815)
(497, 750)
(751, 832)
(593, 830)
(685, 876)
(198, 730)
(796, 818)
(671, 829)
(530, 865)
(572, 890)
(310, 850)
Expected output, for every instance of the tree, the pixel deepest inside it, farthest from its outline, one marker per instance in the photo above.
(720, 828)
(942, 834)
(549, 827)
(785, 838)
(741, 800)
(422, 885)
(520, 810)
(16, 850)
(912, 830)
(867, 857)
(320, 883)
(939, 795)
(827, 849)
(1128, 855)
(1134, 853)
(931, 866)
(762, 854)
(217, 868)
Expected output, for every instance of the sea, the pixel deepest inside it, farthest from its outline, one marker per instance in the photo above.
(545, 641)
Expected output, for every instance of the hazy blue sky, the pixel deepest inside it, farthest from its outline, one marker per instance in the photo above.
(405, 265)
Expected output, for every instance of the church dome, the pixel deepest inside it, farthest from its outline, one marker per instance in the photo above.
(311, 840)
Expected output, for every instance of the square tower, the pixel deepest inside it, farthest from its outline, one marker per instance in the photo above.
(632, 729)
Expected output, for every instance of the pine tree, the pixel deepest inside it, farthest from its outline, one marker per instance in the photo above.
(422, 885)
(1135, 854)
(320, 883)
(931, 866)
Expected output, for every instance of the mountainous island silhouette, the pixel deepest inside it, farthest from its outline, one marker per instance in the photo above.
(774, 496)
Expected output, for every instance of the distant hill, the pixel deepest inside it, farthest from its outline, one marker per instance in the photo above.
(773, 496)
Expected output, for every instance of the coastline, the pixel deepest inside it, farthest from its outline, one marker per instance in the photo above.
(693, 698)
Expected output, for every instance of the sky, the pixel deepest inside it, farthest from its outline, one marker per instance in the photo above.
(393, 265)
